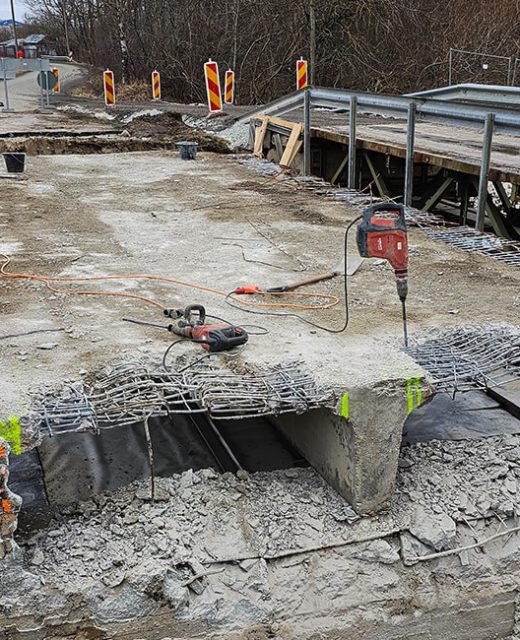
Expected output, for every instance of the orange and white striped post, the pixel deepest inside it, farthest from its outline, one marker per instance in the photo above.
(56, 73)
(156, 85)
(213, 86)
(301, 74)
(229, 94)
(109, 88)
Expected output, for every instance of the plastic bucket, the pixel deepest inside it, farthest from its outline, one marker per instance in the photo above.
(187, 150)
(14, 162)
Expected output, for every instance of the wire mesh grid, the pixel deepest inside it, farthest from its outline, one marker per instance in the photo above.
(133, 392)
(464, 359)
(484, 244)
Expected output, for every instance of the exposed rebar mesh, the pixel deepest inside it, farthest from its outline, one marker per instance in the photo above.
(484, 244)
(131, 392)
(469, 358)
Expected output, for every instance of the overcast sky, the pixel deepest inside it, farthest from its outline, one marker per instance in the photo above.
(19, 7)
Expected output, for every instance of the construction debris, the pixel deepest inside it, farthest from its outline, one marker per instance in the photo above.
(10, 504)
(241, 542)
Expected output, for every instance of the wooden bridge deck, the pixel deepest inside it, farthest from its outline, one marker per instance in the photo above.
(454, 148)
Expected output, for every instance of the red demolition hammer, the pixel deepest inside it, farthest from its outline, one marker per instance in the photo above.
(382, 234)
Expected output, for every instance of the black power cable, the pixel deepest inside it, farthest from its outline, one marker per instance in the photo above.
(295, 315)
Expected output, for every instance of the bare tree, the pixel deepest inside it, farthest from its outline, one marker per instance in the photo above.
(378, 45)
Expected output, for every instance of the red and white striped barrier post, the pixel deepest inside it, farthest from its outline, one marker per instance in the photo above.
(56, 73)
(213, 86)
(156, 85)
(301, 74)
(109, 88)
(229, 94)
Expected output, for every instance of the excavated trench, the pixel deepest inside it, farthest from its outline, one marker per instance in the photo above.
(144, 133)
(75, 467)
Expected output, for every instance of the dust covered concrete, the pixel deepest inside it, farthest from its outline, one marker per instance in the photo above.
(217, 222)
(211, 222)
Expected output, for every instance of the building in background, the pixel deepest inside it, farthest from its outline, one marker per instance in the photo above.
(33, 46)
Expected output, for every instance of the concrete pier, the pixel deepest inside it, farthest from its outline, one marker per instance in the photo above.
(357, 452)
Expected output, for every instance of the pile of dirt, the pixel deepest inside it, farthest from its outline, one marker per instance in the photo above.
(170, 125)
(142, 131)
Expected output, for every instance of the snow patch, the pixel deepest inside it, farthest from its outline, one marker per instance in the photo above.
(142, 114)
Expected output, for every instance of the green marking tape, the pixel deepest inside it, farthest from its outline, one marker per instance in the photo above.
(409, 395)
(418, 391)
(12, 432)
(413, 393)
(344, 406)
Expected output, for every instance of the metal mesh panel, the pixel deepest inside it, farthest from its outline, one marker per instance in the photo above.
(132, 392)
(463, 359)
(484, 244)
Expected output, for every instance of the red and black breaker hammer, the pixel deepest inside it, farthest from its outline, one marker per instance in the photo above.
(211, 337)
(191, 325)
(382, 234)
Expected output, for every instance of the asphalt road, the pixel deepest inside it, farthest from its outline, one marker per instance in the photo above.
(24, 92)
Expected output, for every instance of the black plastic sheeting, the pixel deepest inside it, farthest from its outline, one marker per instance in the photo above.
(79, 466)
(468, 416)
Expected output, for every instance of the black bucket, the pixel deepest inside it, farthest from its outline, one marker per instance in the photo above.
(188, 150)
(14, 162)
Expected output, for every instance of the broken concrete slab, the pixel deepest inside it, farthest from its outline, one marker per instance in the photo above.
(138, 584)
(109, 203)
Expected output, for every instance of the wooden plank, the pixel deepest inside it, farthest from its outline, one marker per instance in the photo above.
(437, 194)
(258, 149)
(508, 395)
(504, 198)
(498, 221)
(292, 147)
(342, 165)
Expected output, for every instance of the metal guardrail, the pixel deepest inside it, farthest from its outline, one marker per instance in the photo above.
(493, 95)
(427, 109)
(490, 119)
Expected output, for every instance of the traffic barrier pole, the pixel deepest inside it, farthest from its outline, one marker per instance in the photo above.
(56, 73)
(229, 96)
(109, 88)
(301, 74)
(156, 85)
(213, 86)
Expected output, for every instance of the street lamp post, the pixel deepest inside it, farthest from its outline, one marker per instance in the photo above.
(14, 28)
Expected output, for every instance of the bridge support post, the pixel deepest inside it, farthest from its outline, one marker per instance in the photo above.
(307, 132)
(484, 171)
(352, 143)
(410, 144)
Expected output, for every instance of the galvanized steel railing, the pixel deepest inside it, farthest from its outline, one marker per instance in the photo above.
(490, 119)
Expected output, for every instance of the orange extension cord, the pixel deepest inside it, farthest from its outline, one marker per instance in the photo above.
(332, 300)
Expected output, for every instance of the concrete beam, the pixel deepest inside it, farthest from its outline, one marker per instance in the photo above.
(357, 455)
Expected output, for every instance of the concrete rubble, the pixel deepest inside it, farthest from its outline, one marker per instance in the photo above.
(252, 556)
(278, 552)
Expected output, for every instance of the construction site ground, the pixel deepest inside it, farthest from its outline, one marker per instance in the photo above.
(217, 223)
(268, 555)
